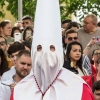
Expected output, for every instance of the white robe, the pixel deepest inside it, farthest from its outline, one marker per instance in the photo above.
(5, 91)
(9, 74)
(67, 86)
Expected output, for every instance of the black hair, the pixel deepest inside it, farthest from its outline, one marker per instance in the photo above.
(13, 29)
(4, 63)
(70, 31)
(98, 24)
(92, 62)
(27, 28)
(96, 86)
(72, 24)
(27, 44)
(23, 52)
(79, 62)
(16, 46)
(66, 21)
(27, 17)
(4, 39)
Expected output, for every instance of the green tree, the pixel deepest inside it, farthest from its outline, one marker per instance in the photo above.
(67, 7)
(29, 7)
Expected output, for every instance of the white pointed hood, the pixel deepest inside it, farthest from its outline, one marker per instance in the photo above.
(47, 32)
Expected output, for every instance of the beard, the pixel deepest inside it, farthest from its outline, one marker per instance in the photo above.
(23, 73)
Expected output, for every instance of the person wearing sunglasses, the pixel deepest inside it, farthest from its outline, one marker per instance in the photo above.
(88, 31)
(70, 36)
(95, 57)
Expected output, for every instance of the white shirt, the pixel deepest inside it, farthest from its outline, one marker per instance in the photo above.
(5, 91)
(9, 74)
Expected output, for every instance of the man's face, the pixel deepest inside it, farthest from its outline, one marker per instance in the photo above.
(23, 66)
(3, 44)
(97, 94)
(26, 23)
(96, 55)
(88, 24)
(71, 37)
(13, 57)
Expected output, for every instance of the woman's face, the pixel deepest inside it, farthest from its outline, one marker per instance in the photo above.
(28, 34)
(75, 53)
(7, 30)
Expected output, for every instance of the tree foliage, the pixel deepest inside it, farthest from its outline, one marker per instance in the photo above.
(67, 7)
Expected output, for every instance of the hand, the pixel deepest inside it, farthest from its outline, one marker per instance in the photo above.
(92, 42)
(12, 86)
(21, 40)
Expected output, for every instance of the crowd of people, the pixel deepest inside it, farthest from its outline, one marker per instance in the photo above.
(50, 55)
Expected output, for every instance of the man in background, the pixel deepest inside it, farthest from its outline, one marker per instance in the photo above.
(22, 69)
(27, 21)
(13, 51)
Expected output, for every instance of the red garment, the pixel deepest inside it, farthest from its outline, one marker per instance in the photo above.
(11, 96)
(87, 93)
(94, 70)
(88, 79)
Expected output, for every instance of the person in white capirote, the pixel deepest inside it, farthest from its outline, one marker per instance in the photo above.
(50, 80)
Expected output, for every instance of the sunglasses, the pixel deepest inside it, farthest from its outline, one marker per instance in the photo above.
(97, 53)
(2, 43)
(71, 38)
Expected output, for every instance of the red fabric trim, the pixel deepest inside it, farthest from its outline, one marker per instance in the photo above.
(87, 93)
(88, 79)
(94, 70)
(11, 96)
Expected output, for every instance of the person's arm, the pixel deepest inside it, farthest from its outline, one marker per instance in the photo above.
(87, 93)
(89, 45)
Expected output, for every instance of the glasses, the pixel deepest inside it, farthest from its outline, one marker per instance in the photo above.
(71, 38)
(97, 53)
(2, 43)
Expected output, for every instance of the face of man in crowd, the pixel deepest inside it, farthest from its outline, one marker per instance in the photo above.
(23, 66)
(96, 55)
(97, 94)
(71, 37)
(26, 23)
(88, 24)
(13, 57)
(3, 44)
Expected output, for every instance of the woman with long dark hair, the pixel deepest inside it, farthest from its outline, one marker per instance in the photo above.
(3, 63)
(74, 56)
